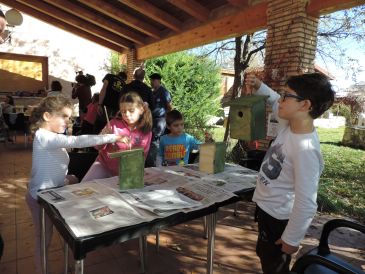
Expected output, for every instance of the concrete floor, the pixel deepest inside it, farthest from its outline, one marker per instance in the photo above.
(182, 248)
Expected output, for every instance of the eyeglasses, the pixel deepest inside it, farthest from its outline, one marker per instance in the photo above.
(284, 95)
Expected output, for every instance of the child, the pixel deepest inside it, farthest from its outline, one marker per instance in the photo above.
(134, 123)
(56, 89)
(87, 126)
(176, 146)
(50, 158)
(286, 189)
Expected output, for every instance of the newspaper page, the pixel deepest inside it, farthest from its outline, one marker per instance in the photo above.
(161, 201)
(73, 192)
(204, 192)
(234, 178)
(99, 214)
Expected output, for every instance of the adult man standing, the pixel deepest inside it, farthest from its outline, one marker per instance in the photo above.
(109, 97)
(162, 104)
(82, 91)
(139, 87)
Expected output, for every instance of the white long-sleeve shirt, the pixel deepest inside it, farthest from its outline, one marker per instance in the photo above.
(50, 159)
(288, 179)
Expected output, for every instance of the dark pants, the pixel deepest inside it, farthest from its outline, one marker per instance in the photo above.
(273, 260)
(87, 128)
(159, 126)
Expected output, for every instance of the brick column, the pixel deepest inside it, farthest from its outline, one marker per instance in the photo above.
(132, 63)
(291, 41)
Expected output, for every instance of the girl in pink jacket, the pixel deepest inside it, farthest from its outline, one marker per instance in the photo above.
(134, 122)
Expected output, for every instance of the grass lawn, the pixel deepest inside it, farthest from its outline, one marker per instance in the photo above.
(342, 184)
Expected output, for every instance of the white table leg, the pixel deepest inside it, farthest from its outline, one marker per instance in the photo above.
(212, 222)
(65, 255)
(157, 241)
(79, 267)
(142, 252)
(205, 224)
(43, 241)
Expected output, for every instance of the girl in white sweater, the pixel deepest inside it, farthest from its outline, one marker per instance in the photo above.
(50, 158)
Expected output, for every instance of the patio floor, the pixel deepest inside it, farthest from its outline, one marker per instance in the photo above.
(182, 248)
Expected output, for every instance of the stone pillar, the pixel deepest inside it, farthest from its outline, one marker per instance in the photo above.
(132, 63)
(291, 41)
(290, 44)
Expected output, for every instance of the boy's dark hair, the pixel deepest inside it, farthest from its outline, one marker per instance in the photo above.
(155, 76)
(123, 75)
(2, 14)
(172, 116)
(316, 88)
(56, 86)
(11, 100)
(138, 74)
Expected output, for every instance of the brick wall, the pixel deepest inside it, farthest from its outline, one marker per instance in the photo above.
(291, 41)
(132, 63)
(290, 44)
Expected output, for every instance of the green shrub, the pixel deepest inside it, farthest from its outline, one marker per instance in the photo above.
(194, 86)
(342, 109)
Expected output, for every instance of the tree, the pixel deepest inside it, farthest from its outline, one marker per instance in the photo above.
(333, 30)
(113, 64)
(194, 84)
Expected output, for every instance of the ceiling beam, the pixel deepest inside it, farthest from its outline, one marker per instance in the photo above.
(317, 8)
(92, 17)
(192, 8)
(77, 22)
(62, 25)
(244, 21)
(123, 17)
(239, 3)
(154, 13)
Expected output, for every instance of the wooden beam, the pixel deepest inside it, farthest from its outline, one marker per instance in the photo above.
(316, 8)
(92, 17)
(239, 3)
(244, 21)
(77, 22)
(154, 13)
(62, 25)
(123, 17)
(193, 8)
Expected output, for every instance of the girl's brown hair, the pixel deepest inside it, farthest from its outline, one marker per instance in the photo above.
(51, 105)
(145, 121)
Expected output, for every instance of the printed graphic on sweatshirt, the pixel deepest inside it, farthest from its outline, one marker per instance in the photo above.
(137, 140)
(173, 152)
(272, 164)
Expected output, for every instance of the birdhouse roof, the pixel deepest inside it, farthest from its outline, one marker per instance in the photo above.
(246, 101)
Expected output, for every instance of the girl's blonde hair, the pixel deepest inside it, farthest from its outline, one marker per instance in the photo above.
(48, 104)
(145, 121)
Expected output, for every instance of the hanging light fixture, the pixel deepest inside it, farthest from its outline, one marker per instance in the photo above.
(13, 18)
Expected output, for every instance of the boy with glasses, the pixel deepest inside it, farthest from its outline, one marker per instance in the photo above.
(286, 189)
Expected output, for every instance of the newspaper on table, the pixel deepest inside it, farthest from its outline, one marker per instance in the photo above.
(91, 208)
(234, 177)
(161, 201)
(98, 206)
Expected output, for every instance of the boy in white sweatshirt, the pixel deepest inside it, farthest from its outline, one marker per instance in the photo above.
(286, 190)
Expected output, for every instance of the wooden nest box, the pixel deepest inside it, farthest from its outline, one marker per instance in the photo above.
(247, 117)
(131, 168)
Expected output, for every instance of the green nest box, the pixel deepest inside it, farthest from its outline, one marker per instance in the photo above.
(247, 117)
(212, 157)
(131, 168)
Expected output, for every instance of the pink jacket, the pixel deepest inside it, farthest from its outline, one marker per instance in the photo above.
(138, 140)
